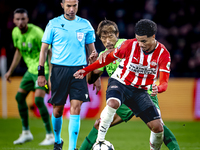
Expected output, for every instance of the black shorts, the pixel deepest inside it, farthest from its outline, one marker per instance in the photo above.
(63, 83)
(138, 100)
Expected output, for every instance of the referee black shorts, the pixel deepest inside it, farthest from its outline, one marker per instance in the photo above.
(63, 84)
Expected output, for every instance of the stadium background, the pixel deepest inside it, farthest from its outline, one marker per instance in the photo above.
(178, 30)
(180, 102)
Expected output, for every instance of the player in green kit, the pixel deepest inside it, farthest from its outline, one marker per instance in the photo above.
(108, 33)
(27, 41)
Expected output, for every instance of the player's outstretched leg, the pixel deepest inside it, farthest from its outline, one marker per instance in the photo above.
(107, 116)
(49, 139)
(170, 140)
(23, 112)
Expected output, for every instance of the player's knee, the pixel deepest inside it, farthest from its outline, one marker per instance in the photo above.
(58, 111)
(96, 124)
(20, 97)
(113, 103)
(158, 129)
(156, 126)
(57, 114)
(75, 107)
(40, 93)
(75, 110)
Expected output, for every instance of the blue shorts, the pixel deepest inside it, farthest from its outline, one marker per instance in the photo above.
(138, 100)
(63, 84)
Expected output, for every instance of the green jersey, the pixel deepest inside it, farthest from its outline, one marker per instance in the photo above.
(29, 45)
(110, 68)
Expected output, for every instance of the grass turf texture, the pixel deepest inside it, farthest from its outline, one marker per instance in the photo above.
(133, 135)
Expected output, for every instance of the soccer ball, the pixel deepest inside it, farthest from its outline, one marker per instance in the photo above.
(105, 145)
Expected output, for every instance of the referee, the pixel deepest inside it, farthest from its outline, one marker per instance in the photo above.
(68, 34)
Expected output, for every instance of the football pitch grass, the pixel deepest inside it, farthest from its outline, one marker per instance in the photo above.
(133, 135)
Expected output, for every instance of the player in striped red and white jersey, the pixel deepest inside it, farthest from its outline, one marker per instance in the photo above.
(143, 60)
(140, 68)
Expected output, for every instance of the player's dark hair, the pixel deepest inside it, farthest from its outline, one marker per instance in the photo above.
(21, 11)
(145, 27)
(107, 23)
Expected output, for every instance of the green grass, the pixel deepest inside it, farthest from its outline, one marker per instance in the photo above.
(133, 135)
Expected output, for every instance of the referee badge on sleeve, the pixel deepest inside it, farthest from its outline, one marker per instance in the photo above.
(80, 36)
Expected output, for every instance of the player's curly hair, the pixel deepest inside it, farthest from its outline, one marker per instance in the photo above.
(145, 27)
(107, 23)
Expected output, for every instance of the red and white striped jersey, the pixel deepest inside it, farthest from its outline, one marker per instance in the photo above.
(137, 68)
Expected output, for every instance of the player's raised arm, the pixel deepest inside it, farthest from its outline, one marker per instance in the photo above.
(81, 73)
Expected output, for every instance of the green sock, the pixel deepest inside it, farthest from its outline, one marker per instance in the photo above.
(39, 101)
(89, 140)
(23, 109)
(170, 140)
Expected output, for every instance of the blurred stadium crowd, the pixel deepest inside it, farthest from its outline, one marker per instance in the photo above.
(178, 25)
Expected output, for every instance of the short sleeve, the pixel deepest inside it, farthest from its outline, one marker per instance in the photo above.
(48, 34)
(39, 36)
(14, 37)
(90, 36)
(123, 50)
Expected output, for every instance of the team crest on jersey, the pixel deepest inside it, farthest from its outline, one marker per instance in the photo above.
(29, 45)
(153, 63)
(80, 36)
